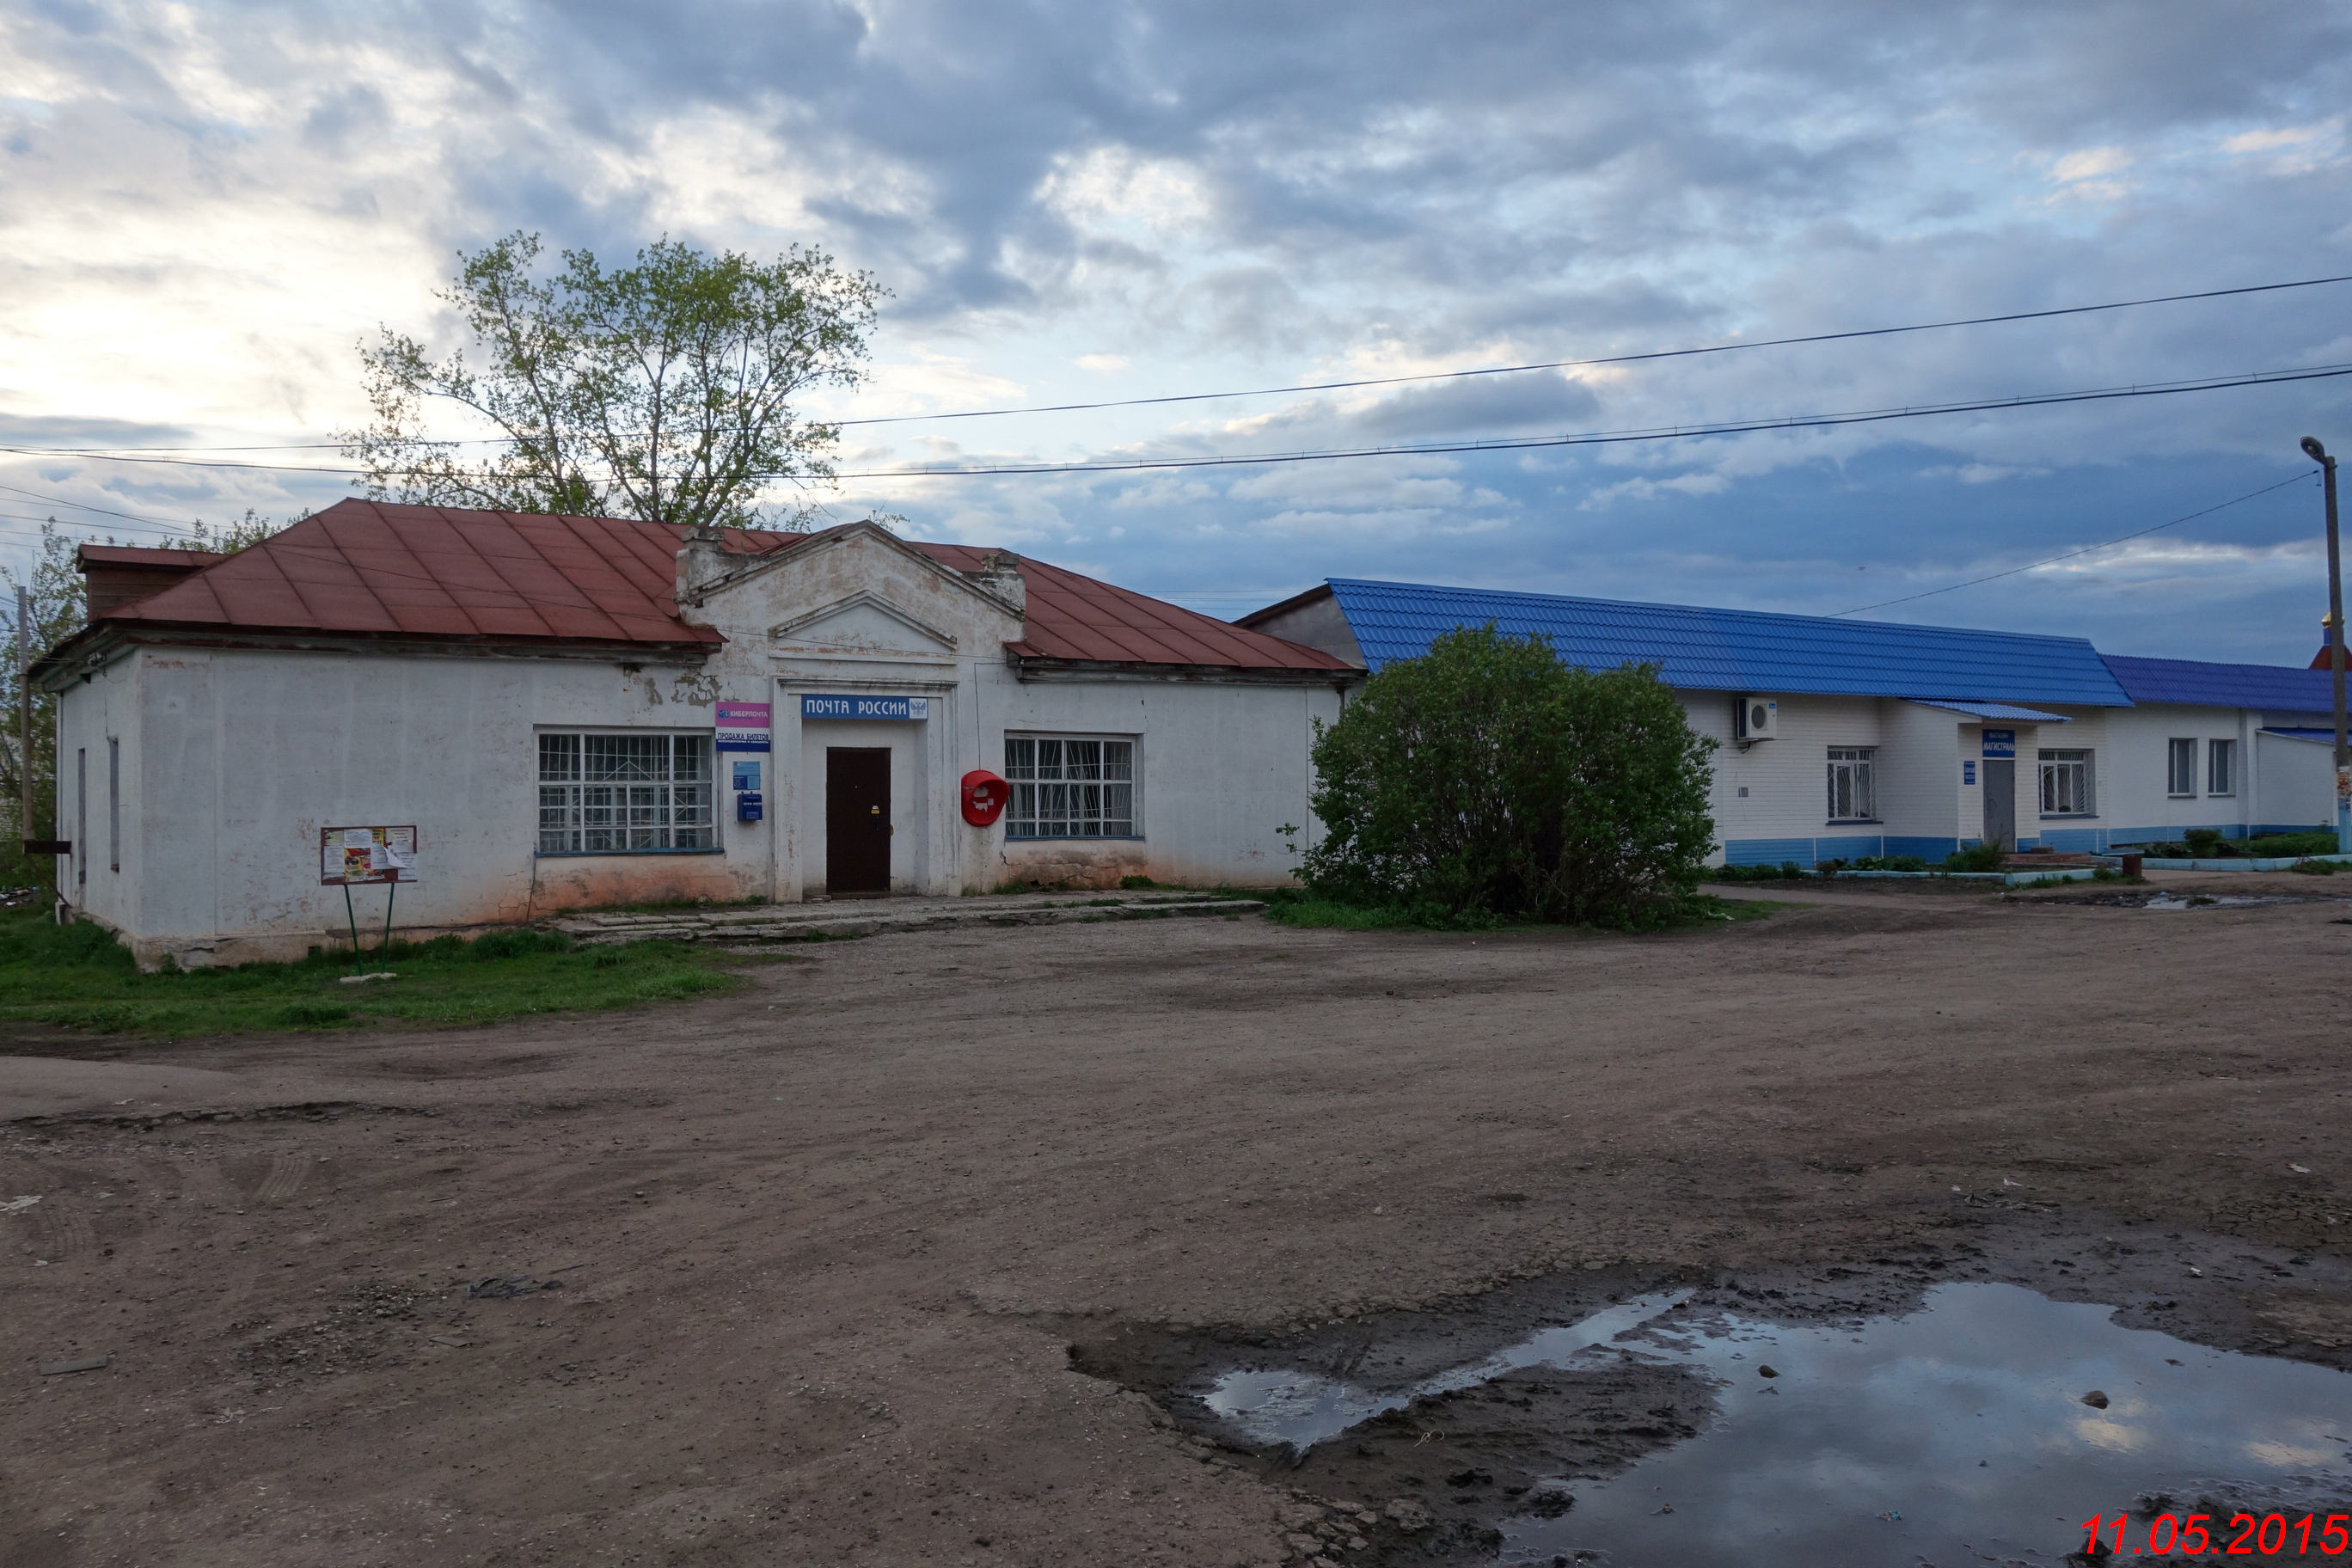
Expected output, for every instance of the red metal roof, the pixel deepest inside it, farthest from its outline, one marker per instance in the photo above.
(365, 567)
(163, 558)
(1075, 617)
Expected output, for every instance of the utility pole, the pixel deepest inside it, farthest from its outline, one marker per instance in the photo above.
(2335, 651)
(23, 716)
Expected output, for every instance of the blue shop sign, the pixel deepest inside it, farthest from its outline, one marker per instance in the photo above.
(2001, 743)
(821, 705)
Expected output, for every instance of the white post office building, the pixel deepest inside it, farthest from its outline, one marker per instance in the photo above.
(582, 711)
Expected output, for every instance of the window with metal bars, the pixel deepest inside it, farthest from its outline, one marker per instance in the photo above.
(1852, 797)
(631, 791)
(2066, 784)
(1070, 787)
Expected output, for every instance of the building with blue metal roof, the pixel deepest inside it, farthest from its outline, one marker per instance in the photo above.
(1841, 739)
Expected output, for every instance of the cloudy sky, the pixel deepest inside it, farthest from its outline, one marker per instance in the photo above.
(204, 208)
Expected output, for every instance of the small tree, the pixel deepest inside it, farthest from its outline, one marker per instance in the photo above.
(58, 602)
(1488, 777)
(662, 390)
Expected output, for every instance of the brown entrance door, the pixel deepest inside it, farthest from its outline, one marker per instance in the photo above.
(856, 819)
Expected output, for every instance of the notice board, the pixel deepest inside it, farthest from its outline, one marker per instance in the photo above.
(351, 857)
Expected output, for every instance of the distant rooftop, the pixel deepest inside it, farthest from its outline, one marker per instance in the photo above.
(1742, 650)
(2281, 688)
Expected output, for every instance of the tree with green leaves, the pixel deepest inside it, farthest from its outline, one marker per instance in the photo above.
(1488, 778)
(665, 390)
(58, 602)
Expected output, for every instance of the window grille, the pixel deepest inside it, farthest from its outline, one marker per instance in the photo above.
(1852, 797)
(1069, 788)
(617, 793)
(2066, 784)
(2180, 767)
(2221, 768)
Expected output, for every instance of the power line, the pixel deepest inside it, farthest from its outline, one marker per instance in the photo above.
(1432, 448)
(1613, 437)
(1612, 359)
(85, 506)
(2085, 550)
(1636, 358)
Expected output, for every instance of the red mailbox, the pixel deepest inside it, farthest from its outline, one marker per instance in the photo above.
(984, 796)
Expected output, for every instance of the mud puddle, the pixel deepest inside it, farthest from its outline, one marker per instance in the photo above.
(1979, 1428)
(1963, 1400)
(2168, 900)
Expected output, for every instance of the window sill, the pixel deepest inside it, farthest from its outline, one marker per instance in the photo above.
(607, 854)
(2181, 797)
(1074, 838)
(1856, 822)
(2070, 816)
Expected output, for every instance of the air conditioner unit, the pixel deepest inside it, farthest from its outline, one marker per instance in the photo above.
(1755, 718)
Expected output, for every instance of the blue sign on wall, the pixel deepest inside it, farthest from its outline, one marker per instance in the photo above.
(2001, 743)
(747, 775)
(818, 705)
(1967, 771)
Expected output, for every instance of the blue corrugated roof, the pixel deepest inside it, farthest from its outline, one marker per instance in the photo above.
(2324, 737)
(1741, 650)
(2280, 687)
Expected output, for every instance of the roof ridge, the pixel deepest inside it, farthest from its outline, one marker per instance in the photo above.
(1705, 610)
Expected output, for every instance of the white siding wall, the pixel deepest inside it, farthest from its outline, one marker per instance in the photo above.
(2138, 805)
(1919, 778)
(2295, 782)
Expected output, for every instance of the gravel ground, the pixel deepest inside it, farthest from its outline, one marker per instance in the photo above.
(796, 1276)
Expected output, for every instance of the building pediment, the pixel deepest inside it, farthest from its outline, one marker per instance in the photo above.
(864, 622)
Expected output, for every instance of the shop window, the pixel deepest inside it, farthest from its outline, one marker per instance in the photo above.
(2221, 767)
(2066, 784)
(1070, 787)
(629, 793)
(1851, 796)
(2180, 767)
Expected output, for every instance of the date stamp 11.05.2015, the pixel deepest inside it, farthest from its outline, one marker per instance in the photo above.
(2195, 1534)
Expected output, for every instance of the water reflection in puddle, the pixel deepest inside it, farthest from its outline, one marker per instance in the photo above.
(1302, 1409)
(1956, 1434)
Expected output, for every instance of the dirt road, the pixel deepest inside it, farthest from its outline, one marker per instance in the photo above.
(818, 1251)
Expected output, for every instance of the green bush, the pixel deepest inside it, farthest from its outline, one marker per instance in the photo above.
(1134, 882)
(1487, 777)
(2320, 841)
(2204, 843)
(1975, 858)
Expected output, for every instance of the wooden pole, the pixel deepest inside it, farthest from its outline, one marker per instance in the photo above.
(25, 716)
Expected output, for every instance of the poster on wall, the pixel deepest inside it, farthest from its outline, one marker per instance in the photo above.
(357, 856)
(744, 726)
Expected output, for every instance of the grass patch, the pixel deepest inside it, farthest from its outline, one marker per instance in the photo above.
(2207, 843)
(79, 977)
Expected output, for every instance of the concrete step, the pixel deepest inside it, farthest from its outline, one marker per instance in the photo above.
(802, 922)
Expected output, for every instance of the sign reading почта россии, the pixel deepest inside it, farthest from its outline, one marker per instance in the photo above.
(825, 705)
